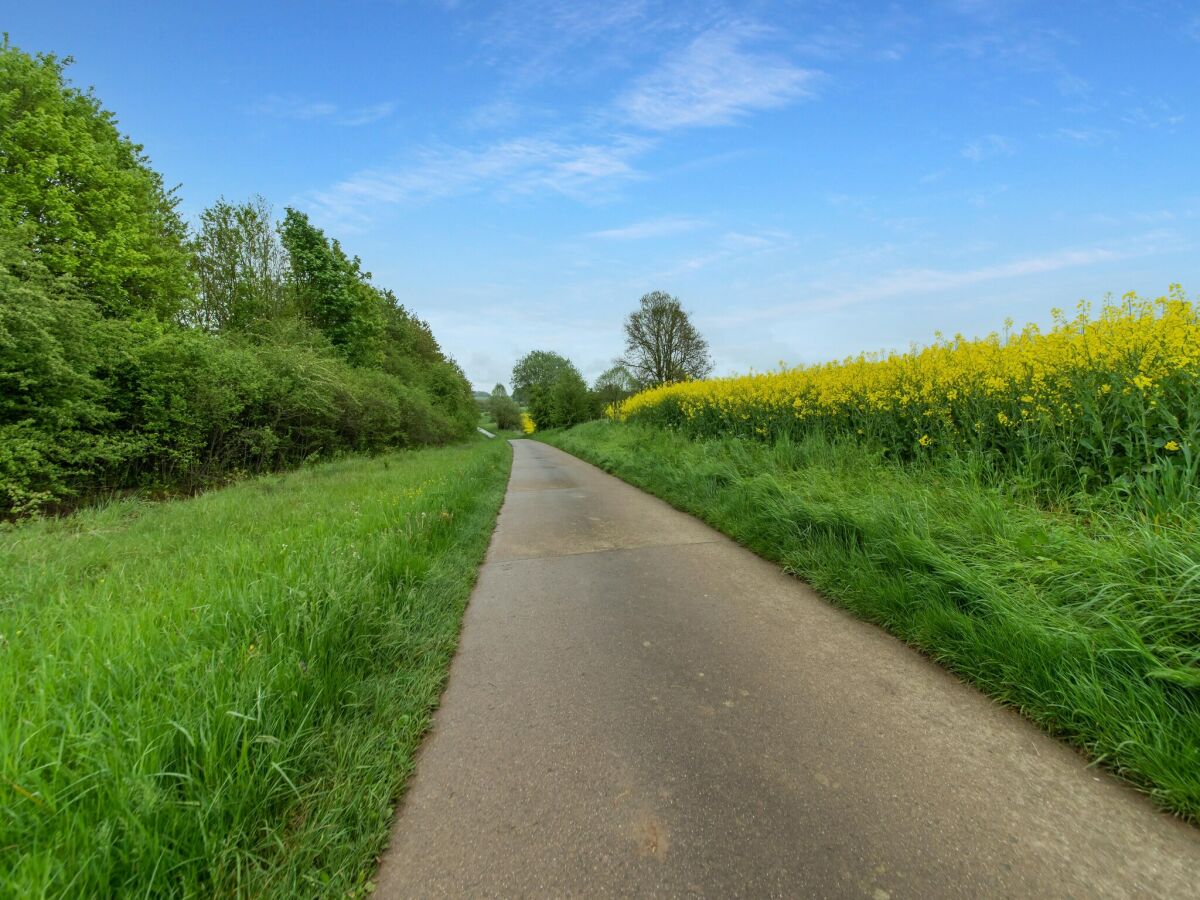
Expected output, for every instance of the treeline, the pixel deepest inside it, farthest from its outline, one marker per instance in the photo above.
(136, 352)
(553, 393)
(662, 346)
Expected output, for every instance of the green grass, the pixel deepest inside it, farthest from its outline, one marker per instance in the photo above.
(488, 423)
(222, 696)
(1087, 621)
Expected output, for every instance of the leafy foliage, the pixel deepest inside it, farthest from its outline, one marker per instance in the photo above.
(504, 409)
(330, 290)
(662, 346)
(563, 402)
(131, 356)
(82, 197)
(615, 385)
(538, 369)
(240, 266)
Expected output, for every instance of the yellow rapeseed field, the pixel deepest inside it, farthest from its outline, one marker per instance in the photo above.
(1096, 399)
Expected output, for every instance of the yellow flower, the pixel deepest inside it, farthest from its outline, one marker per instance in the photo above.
(1142, 356)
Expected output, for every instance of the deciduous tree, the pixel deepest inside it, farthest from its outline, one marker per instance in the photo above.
(82, 196)
(564, 401)
(538, 368)
(240, 266)
(504, 409)
(330, 289)
(615, 384)
(661, 343)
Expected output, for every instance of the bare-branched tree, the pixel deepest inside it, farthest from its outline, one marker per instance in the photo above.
(661, 343)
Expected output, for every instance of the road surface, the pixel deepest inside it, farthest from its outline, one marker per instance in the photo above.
(639, 707)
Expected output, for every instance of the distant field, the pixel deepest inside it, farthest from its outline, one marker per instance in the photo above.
(222, 696)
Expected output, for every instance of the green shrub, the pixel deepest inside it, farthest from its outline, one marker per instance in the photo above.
(565, 402)
(506, 412)
(134, 357)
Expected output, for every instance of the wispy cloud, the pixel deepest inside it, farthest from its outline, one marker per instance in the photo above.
(922, 281)
(1155, 115)
(1013, 35)
(987, 147)
(984, 10)
(664, 226)
(507, 168)
(719, 75)
(280, 106)
(499, 113)
(534, 41)
(368, 114)
(299, 109)
(1091, 137)
(730, 248)
(715, 80)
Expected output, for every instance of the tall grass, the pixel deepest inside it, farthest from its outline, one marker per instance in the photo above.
(222, 696)
(1088, 622)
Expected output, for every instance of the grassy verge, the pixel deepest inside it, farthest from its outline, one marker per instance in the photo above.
(222, 696)
(1089, 623)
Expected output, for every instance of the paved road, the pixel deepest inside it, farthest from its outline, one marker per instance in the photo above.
(641, 708)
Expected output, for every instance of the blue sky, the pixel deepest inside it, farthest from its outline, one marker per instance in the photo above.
(810, 178)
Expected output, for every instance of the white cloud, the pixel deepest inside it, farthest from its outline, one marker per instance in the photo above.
(987, 147)
(518, 166)
(740, 240)
(368, 114)
(920, 281)
(1092, 137)
(499, 113)
(1070, 85)
(714, 81)
(1155, 115)
(532, 42)
(650, 228)
(290, 106)
(984, 10)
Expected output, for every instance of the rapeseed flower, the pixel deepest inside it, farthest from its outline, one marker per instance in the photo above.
(1089, 393)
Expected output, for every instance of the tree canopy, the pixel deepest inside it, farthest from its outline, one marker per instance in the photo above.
(661, 343)
(240, 266)
(538, 368)
(615, 384)
(82, 197)
(135, 355)
(563, 402)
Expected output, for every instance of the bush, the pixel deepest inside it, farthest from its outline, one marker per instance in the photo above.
(506, 412)
(133, 357)
(565, 402)
(143, 404)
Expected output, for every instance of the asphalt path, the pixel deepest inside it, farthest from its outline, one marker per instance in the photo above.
(639, 707)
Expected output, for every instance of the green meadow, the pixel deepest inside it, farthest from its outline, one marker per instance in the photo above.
(222, 695)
